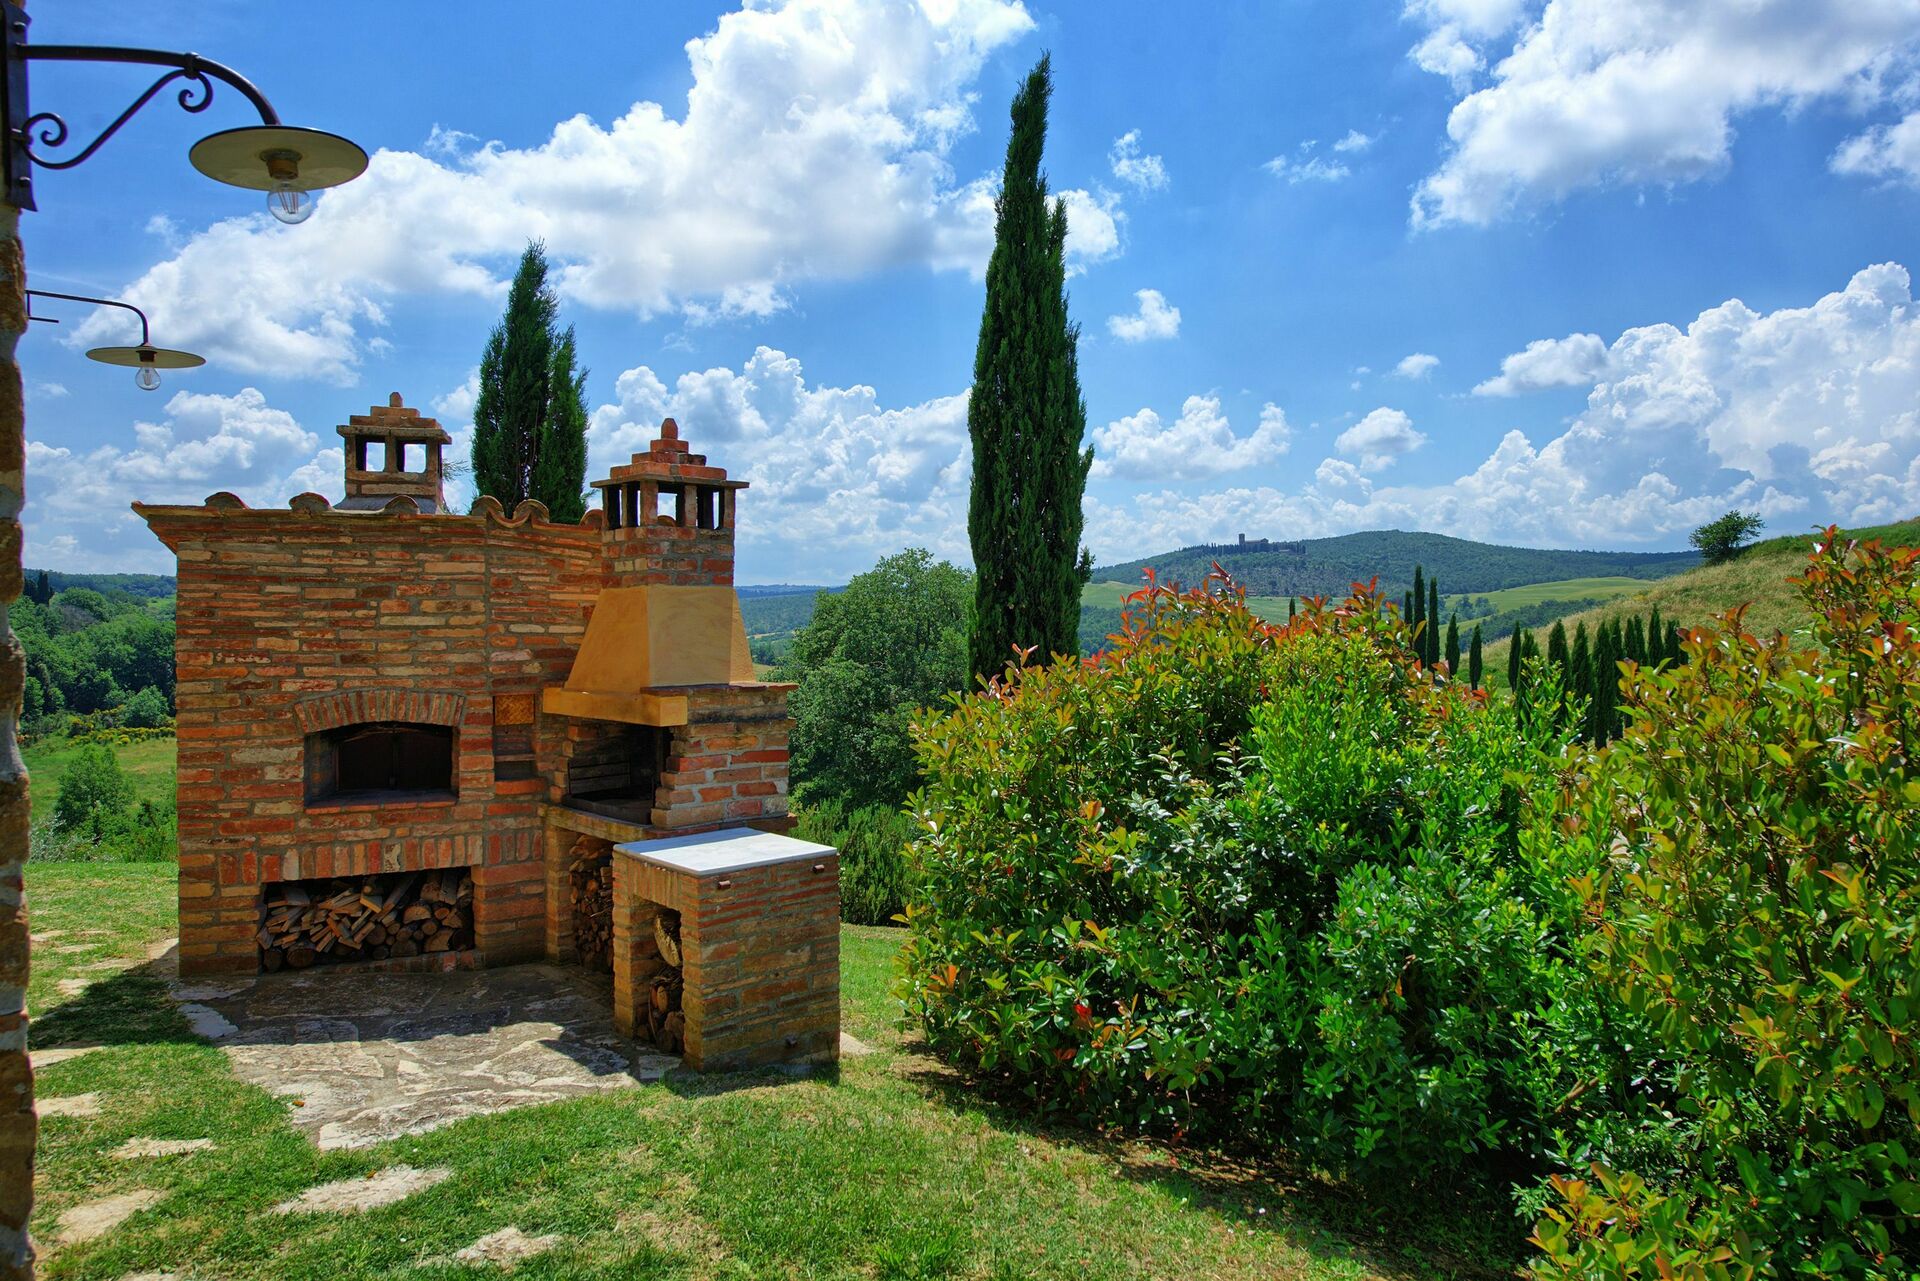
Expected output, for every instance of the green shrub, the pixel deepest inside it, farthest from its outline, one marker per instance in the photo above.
(1759, 906)
(95, 793)
(872, 841)
(1234, 878)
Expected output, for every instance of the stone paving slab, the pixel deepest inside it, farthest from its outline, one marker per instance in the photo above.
(374, 1056)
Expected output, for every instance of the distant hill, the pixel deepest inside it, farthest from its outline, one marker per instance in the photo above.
(150, 586)
(781, 589)
(1329, 566)
(1757, 579)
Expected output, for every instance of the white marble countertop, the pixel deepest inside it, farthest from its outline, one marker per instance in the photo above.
(732, 850)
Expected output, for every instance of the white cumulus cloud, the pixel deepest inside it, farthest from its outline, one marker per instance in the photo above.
(1418, 365)
(812, 144)
(1379, 439)
(1574, 361)
(1133, 167)
(1199, 443)
(1884, 151)
(838, 479)
(1154, 319)
(1634, 92)
(203, 443)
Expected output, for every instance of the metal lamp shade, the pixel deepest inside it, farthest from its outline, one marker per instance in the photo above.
(147, 357)
(239, 157)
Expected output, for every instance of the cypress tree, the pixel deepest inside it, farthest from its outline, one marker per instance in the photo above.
(1515, 648)
(1633, 646)
(1675, 650)
(530, 421)
(1606, 682)
(1580, 665)
(1475, 667)
(1557, 646)
(1026, 417)
(1290, 601)
(559, 474)
(1656, 639)
(1433, 622)
(515, 371)
(1419, 613)
(1453, 644)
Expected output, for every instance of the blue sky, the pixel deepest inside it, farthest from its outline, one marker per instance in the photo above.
(1556, 272)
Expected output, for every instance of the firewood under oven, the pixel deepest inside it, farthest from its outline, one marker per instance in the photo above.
(590, 879)
(353, 918)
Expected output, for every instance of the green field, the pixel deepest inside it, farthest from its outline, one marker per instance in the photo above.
(893, 1168)
(1561, 589)
(150, 763)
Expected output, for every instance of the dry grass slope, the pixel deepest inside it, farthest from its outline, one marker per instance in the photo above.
(1758, 579)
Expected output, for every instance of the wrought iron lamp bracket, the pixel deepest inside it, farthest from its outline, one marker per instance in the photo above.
(26, 129)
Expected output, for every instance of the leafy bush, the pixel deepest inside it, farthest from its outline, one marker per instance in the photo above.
(1236, 878)
(146, 710)
(1759, 905)
(95, 793)
(872, 841)
(148, 833)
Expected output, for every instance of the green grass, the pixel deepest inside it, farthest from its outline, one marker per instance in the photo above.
(151, 763)
(892, 1168)
(1568, 589)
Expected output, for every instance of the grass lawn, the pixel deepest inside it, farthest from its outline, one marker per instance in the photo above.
(150, 763)
(894, 1168)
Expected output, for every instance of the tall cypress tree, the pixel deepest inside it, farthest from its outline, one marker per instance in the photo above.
(530, 421)
(1606, 682)
(1453, 644)
(1675, 650)
(1580, 665)
(1516, 647)
(1026, 417)
(1633, 645)
(1419, 613)
(1433, 622)
(1475, 665)
(1656, 639)
(1557, 652)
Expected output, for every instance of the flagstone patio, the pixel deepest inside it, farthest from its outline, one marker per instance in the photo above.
(372, 1056)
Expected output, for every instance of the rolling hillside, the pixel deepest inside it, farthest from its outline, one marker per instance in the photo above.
(1757, 579)
(1328, 566)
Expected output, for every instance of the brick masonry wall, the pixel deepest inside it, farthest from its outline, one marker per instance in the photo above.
(284, 609)
(675, 555)
(728, 764)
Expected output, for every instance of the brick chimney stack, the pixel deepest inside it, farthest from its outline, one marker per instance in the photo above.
(381, 446)
(669, 517)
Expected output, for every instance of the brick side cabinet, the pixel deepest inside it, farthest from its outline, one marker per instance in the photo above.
(759, 940)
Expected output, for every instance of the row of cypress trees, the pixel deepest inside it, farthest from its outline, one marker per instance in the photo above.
(1590, 665)
(1421, 608)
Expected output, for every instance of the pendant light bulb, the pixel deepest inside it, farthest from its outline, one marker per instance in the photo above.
(146, 378)
(289, 204)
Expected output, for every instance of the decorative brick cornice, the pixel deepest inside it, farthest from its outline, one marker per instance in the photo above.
(357, 707)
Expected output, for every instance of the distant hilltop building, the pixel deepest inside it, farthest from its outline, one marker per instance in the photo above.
(1246, 544)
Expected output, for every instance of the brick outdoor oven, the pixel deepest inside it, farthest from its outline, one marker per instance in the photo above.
(411, 739)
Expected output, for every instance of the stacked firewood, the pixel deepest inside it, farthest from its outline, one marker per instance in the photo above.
(666, 1025)
(591, 876)
(361, 919)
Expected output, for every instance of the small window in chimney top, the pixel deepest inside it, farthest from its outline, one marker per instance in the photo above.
(669, 507)
(413, 458)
